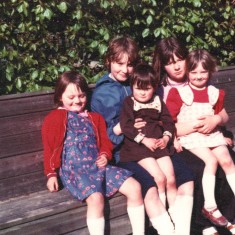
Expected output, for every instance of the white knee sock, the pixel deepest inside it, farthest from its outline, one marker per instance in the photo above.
(137, 219)
(162, 197)
(182, 214)
(163, 224)
(96, 226)
(231, 181)
(208, 185)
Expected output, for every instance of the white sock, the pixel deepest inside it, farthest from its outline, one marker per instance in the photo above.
(208, 185)
(96, 226)
(137, 219)
(163, 224)
(162, 197)
(231, 181)
(209, 231)
(182, 214)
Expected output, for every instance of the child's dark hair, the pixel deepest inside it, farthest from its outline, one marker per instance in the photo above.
(143, 75)
(119, 46)
(164, 52)
(202, 56)
(64, 80)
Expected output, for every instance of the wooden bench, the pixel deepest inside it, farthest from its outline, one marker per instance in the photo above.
(26, 207)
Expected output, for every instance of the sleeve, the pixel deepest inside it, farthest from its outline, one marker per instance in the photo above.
(174, 103)
(220, 103)
(105, 144)
(168, 123)
(108, 105)
(48, 146)
(127, 121)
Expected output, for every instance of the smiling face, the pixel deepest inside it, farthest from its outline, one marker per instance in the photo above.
(143, 95)
(73, 98)
(121, 69)
(198, 77)
(175, 69)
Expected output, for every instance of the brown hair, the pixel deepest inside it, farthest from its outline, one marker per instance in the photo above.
(164, 52)
(119, 46)
(208, 62)
(64, 80)
(143, 75)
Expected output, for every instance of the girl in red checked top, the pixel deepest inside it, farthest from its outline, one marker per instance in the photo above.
(77, 148)
(148, 146)
(186, 104)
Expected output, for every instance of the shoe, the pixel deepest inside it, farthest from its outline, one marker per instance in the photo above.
(210, 231)
(211, 215)
(231, 228)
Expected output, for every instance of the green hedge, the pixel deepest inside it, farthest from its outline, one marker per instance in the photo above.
(40, 39)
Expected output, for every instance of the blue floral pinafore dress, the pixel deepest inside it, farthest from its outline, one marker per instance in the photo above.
(79, 172)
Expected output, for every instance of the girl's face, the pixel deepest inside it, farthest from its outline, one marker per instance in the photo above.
(121, 69)
(175, 69)
(198, 77)
(73, 99)
(143, 95)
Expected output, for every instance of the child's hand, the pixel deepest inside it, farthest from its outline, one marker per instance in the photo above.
(229, 141)
(150, 143)
(139, 123)
(101, 161)
(162, 142)
(117, 129)
(177, 146)
(52, 184)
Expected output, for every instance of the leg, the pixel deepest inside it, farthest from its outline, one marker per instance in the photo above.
(182, 210)
(135, 207)
(166, 166)
(95, 214)
(154, 207)
(151, 165)
(210, 210)
(227, 164)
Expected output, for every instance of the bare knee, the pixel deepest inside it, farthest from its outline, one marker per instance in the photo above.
(161, 182)
(95, 199)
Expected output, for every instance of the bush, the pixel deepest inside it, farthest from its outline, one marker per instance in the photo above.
(41, 39)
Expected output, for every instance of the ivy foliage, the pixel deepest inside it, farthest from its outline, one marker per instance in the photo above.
(40, 39)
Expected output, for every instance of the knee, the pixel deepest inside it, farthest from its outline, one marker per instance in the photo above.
(186, 189)
(95, 199)
(226, 162)
(151, 195)
(161, 181)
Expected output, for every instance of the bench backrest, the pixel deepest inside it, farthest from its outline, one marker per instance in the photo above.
(21, 117)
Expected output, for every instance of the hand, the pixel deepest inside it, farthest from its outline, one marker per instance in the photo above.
(150, 143)
(229, 141)
(162, 142)
(207, 123)
(117, 129)
(139, 123)
(101, 161)
(177, 146)
(52, 184)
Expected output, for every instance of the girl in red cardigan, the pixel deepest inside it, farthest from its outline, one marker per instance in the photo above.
(77, 148)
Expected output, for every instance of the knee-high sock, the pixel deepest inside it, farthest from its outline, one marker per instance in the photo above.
(163, 224)
(182, 214)
(137, 219)
(231, 181)
(96, 226)
(208, 185)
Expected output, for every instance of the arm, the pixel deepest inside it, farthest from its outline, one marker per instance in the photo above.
(110, 111)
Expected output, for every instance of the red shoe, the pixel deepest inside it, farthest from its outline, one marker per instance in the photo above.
(218, 221)
(231, 228)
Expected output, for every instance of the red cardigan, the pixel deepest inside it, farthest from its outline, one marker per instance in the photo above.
(53, 134)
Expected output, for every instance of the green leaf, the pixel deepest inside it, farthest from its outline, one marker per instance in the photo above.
(62, 7)
(149, 19)
(48, 14)
(145, 33)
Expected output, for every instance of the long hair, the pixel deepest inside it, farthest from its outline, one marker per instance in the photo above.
(164, 52)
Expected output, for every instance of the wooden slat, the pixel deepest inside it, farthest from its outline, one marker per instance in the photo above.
(22, 185)
(20, 144)
(21, 165)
